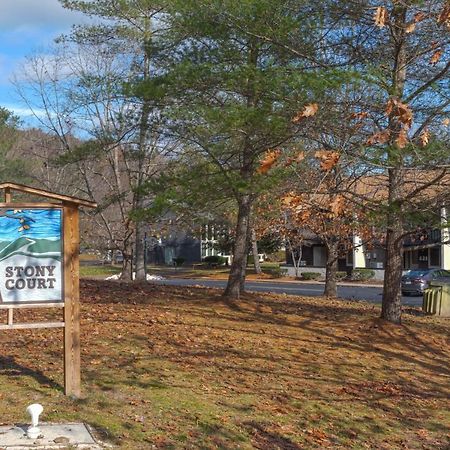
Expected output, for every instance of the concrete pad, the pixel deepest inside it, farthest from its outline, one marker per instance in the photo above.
(53, 436)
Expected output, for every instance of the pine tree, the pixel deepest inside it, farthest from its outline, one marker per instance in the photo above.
(239, 89)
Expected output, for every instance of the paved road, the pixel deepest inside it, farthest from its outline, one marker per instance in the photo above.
(370, 294)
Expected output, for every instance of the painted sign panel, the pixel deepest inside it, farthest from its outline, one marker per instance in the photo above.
(30, 255)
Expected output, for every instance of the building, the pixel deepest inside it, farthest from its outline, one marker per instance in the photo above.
(193, 246)
(423, 250)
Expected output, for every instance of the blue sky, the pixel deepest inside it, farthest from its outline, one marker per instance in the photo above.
(26, 27)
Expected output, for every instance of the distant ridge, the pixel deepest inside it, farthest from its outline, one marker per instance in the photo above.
(31, 247)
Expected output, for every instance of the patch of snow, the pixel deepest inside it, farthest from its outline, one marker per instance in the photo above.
(149, 277)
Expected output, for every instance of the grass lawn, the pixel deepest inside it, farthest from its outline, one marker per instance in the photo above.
(94, 271)
(270, 271)
(177, 368)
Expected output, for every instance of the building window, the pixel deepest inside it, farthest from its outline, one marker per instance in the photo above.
(349, 256)
(435, 257)
(414, 258)
(319, 256)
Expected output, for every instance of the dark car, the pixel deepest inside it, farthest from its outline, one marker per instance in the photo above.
(415, 281)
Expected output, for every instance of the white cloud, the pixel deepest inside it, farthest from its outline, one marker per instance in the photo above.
(24, 112)
(25, 14)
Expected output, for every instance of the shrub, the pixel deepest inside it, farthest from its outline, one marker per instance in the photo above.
(178, 261)
(215, 260)
(278, 272)
(311, 275)
(341, 275)
(251, 260)
(279, 256)
(362, 274)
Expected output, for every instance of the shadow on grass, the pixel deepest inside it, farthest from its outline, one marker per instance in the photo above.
(10, 368)
(360, 331)
(264, 439)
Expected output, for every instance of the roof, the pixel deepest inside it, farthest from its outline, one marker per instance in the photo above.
(47, 194)
(425, 184)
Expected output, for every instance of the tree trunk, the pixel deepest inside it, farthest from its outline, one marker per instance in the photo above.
(126, 268)
(240, 252)
(256, 263)
(331, 269)
(139, 245)
(391, 309)
(296, 255)
(127, 265)
(139, 252)
(244, 267)
(142, 154)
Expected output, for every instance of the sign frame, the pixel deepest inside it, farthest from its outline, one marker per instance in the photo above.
(70, 301)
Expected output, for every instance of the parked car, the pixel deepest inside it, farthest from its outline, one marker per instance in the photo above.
(415, 281)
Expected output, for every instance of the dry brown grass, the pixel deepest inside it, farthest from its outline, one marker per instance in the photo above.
(180, 368)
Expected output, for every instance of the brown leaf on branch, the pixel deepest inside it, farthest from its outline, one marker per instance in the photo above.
(337, 205)
(436, 57)
(328, 159)
(444, 16)
(360, 115)
(435, 44)
(400, 110)
(304, 215)
(424, 138)
(291, 199)
(300, 157)
(379, 138)
(410, 27)
(308, 111)
(381, 16)
(269, 160)
(402, 139)
(418, 17)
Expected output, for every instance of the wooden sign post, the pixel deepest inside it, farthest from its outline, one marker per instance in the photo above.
(39, 266)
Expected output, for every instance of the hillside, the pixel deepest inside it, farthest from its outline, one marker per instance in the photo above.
(29, 246)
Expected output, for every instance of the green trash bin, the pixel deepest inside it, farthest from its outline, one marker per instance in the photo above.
(436, 299)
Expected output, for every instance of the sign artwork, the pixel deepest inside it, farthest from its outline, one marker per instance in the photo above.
(30, 255)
